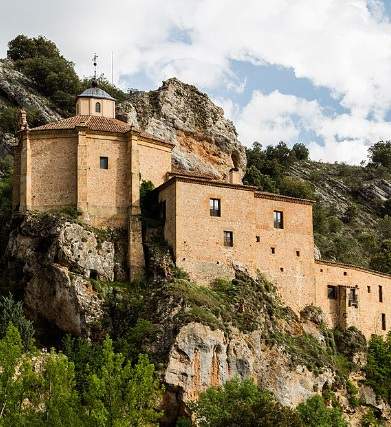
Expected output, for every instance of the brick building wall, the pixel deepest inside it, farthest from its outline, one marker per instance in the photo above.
(285, 256)
(53, 170)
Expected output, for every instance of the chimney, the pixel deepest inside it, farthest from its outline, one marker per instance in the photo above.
(234, 176)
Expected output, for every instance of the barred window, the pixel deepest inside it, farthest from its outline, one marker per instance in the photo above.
(214, 205)
(228, 238)
(278, 219)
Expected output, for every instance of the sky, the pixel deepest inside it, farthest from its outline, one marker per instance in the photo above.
(311, 71)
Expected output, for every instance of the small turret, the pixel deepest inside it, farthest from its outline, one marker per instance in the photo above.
(95, 101)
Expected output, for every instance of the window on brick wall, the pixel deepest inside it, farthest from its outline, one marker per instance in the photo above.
(215, 207)
(383, 322)
(278, 219)
(331, 292)
(353, 298)
(380, 293)
(228, 238)
(104, 162)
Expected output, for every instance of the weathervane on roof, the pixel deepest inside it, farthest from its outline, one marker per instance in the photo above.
(94, 59)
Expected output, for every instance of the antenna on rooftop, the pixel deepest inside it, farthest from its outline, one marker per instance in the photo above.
(94, 59)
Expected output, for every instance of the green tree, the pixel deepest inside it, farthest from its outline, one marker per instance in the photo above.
(122, 395)
(315, 413)
(11, 311)
(241, 403)
(380, 154)
(300, 151)
(62, 407)
(382, 260)
(41, 61)
(378, 367)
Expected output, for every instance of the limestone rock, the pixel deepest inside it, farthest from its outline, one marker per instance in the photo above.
(205, 141)
(19, 90)
(53, 258)
(201, 357)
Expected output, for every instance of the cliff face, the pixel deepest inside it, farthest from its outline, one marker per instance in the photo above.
(52, 261)
(206, 142)
(16, 90)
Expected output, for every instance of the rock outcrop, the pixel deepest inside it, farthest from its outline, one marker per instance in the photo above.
(205, 141)
(201, 357)
(53, 260)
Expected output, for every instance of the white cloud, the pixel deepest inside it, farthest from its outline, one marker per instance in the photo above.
(271, 118)
(343, 45)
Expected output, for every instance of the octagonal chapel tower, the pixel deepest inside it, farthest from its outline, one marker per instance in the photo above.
(95, 102)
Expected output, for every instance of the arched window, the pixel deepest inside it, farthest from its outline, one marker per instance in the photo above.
(97, 107)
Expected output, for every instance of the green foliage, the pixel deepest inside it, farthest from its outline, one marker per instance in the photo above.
(382, 260)
(11, 312)
(350, 341)
(241, 403)
(380, 154)
(293, 187)
(122, 395)
(314, 413)
(300, 151)
(267, 168)
(352, 392)
(5, 185)
(241, 302)
(378, 368)
(370, 419)
(62, 407)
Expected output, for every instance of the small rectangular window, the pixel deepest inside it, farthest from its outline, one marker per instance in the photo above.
(258, 238)
(383, 322)
(369, 289)
(214, 205)
(380, 293)
(104, 162)
(273, 250)
(228, 238)
(297, 253)
(331, 292)
(353, 299)
(278, 219)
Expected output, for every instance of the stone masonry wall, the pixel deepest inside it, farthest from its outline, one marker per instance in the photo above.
(53, 170)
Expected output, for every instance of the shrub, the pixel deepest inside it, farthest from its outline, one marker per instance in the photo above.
(350, 341)
(300, 151)
(11, 312)
(41, 61)
(296, 188)
(241, 402)
(378, 367)
(380, 154)
(314, 413)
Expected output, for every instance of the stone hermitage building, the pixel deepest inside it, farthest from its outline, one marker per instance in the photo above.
(95, 163)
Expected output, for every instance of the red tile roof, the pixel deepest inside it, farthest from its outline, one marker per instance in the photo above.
(91, 122)
(97, 123)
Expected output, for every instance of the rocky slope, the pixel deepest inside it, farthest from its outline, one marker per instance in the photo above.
(52, 260)
(201, 337)
(16, 90)
(206, 142)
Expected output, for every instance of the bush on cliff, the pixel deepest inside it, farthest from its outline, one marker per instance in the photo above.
(242, 403)
(378, 368)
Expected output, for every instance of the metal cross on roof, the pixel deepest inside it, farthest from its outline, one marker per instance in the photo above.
(94, 58)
